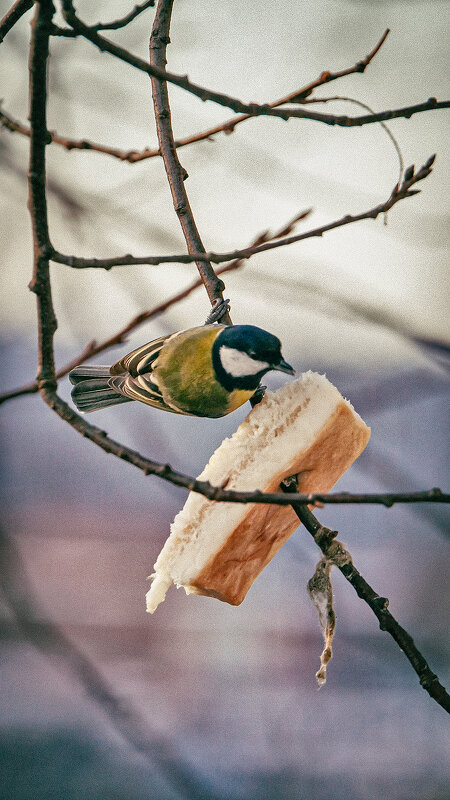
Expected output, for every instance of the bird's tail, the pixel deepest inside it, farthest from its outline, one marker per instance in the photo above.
(92, 389)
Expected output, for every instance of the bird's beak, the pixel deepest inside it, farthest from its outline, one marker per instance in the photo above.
(283, 366)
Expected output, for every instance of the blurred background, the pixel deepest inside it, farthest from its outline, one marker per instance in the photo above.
(203, 700)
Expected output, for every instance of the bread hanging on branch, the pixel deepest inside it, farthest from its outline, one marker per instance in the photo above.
(219, 548)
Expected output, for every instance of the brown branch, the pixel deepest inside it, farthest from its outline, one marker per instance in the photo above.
(37, 203)
(176, 174)
(253, 109)
(218, 493)
(121, 23)
(132, 156)
(341, 558)
(93, 349)
(69, 144)
(399, 192)
(12, 16)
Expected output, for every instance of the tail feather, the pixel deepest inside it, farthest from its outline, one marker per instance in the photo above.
(88, 371)
(92, 389)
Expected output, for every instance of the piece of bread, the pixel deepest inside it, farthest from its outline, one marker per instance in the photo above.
(218, 549)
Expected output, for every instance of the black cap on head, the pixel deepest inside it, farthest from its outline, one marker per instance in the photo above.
(258, 345)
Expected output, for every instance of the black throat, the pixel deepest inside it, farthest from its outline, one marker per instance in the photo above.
(249, 382)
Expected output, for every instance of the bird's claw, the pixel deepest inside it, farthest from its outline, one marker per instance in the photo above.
(219, 309)
(257, 396)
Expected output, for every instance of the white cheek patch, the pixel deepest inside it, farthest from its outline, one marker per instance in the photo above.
(237, 364)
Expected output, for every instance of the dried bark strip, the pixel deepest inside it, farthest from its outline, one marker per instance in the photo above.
(335, 551)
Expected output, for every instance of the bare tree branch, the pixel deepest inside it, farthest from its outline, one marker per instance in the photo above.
(399, 192)
(12, 16)
(335, 551)
(37, 203)
(132, 156)
(121, 23)
(92, 349)
(176, 174)
(253, 109)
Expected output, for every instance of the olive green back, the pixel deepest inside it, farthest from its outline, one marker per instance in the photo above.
(185, 374)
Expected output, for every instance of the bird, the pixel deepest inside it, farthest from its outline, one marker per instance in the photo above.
(206, 371)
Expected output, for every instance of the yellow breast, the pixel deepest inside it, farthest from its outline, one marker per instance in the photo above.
(238, 397)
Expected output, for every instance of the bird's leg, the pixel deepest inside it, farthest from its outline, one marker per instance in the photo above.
(257, 396)
(218, 310)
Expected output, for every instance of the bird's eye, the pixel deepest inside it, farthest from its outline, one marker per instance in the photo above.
(252, 353)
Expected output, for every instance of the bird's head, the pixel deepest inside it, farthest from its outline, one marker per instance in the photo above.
(242, 354)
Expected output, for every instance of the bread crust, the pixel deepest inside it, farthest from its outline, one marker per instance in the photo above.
(263, 529)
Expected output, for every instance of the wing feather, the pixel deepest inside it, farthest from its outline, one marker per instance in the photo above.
(142, 388)
(140, 360)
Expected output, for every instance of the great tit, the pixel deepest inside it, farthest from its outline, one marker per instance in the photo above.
(207, 371)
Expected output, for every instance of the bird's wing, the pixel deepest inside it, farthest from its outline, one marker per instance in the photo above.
(142, 388)
(139, 361)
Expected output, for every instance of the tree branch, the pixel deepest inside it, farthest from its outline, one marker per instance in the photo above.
(253, 109)
(132, 156)
(69, 144)
(176, 174)
(92, 349)
(37, 203)
(121, 23)
(12, 16)
(341, 558)
(399, 192)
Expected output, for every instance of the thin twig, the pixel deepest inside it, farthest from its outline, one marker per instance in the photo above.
(92, 349)
(176, 174)
(398, 193)
(335, 551)
(387, 130)
(121, 23)
(253, 109)
(132, 156)
(12, 16)
(13, 125)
